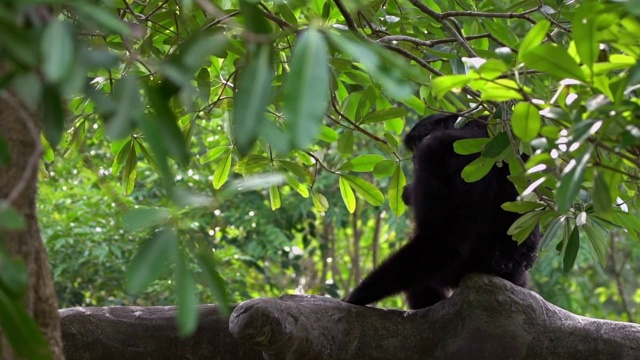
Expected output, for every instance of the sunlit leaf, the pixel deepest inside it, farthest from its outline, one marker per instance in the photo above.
(384, 115)
(533, 38)
(443, 84)
(396, 186)
(213, 154)
(526, 121)
(345, 143)
(469, 146)
(585, 35)
(365, 189)
(320, 202)
(477, 169)
(129, 171)
(347, 194)
(362, 163)
(221, 174)
(274, 197)
(555, 61)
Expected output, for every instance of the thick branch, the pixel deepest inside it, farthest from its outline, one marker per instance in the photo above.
(487, 318)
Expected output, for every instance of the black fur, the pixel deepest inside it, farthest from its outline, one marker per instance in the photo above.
(460, 227)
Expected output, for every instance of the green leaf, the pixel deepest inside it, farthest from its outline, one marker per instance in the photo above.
(306, 88)
(23, 333)
(443, 84)
(533, 38)
(345, 143)
(216, 282)
(96, 14)
(525, 222)
(477, 169)
(496, 146)
(152, 260)
(214, 153)
(129, 171)
(274, 197)
(187, 316)
(221, 174)
(10, 219)
(56, 47)
(347, 194)
(297, 186)
(552, 231)
(365, 189)
(601, 195)
(254, 20)
(127, 94)
(555, 61)
(384, 115)
(584, 34)
(320, 202)
(53, 115)
(470, 146)
(396, 186)
(526, 121)
(252, 98)
(142, 218)
(571, 251)
(327, 134)
(384, 168)
(297, 170)
(380, 64)
(498, 90)
(362, 163)
(167, 131)
(121, 156)
(521, 206)
(598, 242)
(571, 181)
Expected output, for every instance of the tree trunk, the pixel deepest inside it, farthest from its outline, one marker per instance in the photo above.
(20, 128)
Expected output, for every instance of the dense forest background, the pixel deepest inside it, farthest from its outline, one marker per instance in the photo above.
(215, 151)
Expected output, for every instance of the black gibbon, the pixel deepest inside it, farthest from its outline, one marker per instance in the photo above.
(459, 227)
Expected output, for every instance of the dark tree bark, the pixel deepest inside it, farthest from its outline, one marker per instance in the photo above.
(487, 318)
(20, 128)
(138, 333)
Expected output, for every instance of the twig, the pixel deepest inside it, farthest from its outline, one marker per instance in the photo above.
(521, 15)
(428, 43)
(351, 24)
(446, 24)
(353, 123)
